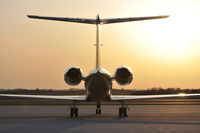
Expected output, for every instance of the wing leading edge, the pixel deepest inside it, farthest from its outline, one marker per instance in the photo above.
(71, 98)
(140, 97)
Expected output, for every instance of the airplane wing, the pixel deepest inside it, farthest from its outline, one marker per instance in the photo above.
(141, 97)
(119, 20)
(113, 97)
(76, 20)
(70, 98)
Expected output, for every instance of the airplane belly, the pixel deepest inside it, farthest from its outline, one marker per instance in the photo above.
(98, 87)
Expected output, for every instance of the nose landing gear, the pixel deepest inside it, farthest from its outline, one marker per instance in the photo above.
(98, 110)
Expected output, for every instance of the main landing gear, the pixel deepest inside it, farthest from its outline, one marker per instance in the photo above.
(98, 110)
(123, 110)
(73, 111)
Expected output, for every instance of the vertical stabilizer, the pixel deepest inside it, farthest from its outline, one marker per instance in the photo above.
(98, 54)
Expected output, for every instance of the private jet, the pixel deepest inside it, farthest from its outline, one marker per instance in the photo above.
(98, 83)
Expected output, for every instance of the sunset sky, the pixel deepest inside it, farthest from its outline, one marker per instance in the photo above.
(162, 53)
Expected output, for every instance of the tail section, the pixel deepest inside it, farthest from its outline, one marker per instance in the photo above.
(98, 22)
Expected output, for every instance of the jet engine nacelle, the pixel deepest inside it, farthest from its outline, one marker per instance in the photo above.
(73, 75)
(123, 75)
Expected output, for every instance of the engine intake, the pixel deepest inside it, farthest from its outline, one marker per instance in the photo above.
(73, 76)
(123, 75)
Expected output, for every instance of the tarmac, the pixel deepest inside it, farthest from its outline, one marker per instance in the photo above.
(142, 119)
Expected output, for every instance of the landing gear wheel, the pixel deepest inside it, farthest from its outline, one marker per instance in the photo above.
(123, 112)
(73, 112)
(120, 112)
(98, 111)
(76, 111)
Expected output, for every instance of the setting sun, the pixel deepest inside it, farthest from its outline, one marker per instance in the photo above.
(178, 36)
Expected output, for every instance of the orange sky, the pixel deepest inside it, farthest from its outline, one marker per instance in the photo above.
(162, 53)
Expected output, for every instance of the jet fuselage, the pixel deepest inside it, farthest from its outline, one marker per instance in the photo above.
(98, 85)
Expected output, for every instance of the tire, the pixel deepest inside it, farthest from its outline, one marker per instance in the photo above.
(76, 111)
(125, 112)
(120, 112)
(99, 111)
(71, 112)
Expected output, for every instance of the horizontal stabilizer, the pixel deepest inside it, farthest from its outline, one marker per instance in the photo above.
(98, 20)
(66, 19)
(119, 20)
